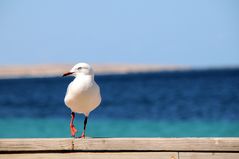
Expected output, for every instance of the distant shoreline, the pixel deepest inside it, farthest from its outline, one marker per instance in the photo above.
(49, 70)
(53, 70)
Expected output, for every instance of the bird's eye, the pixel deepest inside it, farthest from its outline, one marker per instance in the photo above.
(79, 68)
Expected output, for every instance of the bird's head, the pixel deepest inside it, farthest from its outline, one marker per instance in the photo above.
(80, 69)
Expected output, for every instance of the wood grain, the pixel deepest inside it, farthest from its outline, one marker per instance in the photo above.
(122, 144)
(77, 155)
(35, 144)
(158, 144)
(197, 155)
(118, 148)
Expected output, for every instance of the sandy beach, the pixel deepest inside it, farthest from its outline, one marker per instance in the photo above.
(44, 70)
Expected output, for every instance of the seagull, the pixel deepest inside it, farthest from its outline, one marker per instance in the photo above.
(82, 95)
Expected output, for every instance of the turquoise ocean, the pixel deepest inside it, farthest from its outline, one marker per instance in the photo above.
(202, 103)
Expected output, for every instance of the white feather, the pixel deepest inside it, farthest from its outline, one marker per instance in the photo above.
(83, 93)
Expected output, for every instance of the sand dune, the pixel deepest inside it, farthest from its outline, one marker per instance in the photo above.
(58, 69)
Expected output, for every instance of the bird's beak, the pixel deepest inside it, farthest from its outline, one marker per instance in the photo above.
(67, 74)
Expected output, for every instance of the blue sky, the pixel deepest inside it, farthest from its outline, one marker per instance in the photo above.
(200, 33)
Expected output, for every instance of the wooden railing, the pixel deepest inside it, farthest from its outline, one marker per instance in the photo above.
(120, 148)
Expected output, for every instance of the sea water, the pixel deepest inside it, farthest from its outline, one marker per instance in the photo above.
(202, 103)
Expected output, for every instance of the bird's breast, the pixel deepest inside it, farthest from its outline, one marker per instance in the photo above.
(82, 96)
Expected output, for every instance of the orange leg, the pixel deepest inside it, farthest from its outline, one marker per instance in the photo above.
(72, 127)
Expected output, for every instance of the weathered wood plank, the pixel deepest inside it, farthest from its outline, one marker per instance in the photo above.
(158, 144)
(35, 144)
(121, 144)
(87, 155)
(207, 155)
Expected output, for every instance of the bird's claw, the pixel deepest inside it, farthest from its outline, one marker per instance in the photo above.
(82, 135)
(73, 130)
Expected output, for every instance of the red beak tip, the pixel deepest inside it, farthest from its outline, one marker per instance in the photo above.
(66, 74)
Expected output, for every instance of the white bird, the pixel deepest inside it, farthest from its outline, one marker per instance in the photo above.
(83, 94)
